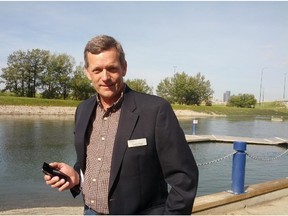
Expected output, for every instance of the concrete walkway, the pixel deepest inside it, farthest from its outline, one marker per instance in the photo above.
(45, 211)
(275, 207)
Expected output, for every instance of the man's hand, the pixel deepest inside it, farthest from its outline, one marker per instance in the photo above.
(61, 184)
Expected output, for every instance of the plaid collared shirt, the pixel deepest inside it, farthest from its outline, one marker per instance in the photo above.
(99, 156)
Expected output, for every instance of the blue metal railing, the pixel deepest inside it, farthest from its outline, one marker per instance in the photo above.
(238, 168)
(239, 164)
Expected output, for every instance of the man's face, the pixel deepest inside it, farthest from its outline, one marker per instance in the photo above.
(106, 74)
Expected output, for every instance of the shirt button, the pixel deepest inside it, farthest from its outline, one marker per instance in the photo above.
(105, 118)
(94, 180)
(92, 201)
(99, 159)
(103, 138)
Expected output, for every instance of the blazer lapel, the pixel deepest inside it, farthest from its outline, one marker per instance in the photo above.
(127, 121)
(84, 116)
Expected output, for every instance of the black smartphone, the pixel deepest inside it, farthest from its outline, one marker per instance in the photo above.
(49, 170)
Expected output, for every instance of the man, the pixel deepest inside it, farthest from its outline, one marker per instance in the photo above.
(129, 145)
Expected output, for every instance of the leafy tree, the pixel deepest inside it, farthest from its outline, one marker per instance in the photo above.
(164, 90)
(56, 79)
(23, 71)
(202, 89)
(242, 100)
(14, 72)
(139, 85)
(36, 64)
(180, 82)
(81, 88)
(184, 89)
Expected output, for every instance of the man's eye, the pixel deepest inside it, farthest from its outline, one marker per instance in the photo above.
(96, 71)
(112, 69)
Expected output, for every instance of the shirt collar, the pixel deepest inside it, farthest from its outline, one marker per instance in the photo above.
(115, 106)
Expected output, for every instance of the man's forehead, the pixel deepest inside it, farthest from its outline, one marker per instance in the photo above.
(103, 58)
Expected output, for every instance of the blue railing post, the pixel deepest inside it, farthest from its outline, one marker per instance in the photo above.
(238, 168)
(194, 123)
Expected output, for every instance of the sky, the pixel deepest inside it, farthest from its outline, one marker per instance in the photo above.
(232, 44)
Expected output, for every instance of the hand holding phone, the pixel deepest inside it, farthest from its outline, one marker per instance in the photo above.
(49, 170)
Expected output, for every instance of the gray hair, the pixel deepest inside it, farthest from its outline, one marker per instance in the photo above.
(102, 43)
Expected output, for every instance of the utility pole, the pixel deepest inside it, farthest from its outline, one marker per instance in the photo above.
(261, 85)
(263, 95)
(284, 85)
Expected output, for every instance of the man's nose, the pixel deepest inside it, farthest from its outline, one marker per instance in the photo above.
(105, 75)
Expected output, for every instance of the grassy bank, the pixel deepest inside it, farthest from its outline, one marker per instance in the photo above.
(266, 109)
(24, 101)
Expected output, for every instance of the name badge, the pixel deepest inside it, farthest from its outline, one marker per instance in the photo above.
(137, 142)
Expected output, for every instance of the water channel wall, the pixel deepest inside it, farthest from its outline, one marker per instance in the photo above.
(223, 202)
(231, 139)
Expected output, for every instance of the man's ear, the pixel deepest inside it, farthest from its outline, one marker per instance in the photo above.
(124, 69)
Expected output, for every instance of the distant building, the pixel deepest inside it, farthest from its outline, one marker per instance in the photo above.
(226, 96)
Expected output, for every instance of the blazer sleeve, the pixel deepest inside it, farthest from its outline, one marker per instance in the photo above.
(177, 161)
(83, 115)
(75, 191)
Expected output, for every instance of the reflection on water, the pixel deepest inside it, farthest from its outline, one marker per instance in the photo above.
(27, 141)
(24, 144)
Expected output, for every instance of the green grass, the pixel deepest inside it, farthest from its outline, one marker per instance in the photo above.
(24, 101)
(269, 109)
(266, 109)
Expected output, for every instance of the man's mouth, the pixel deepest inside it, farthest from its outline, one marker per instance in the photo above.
(107, 86)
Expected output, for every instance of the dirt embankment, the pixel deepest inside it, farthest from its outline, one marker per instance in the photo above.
(49, 110)
(36, 110)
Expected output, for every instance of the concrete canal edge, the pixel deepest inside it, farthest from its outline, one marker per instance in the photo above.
(230, 139)
(223, 202)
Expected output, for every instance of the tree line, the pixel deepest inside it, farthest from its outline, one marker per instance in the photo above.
(53, 76)
(56, 76)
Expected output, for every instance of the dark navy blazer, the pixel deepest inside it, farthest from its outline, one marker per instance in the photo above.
(139, 175)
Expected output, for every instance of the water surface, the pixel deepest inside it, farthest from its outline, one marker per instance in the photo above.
(27, 141)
